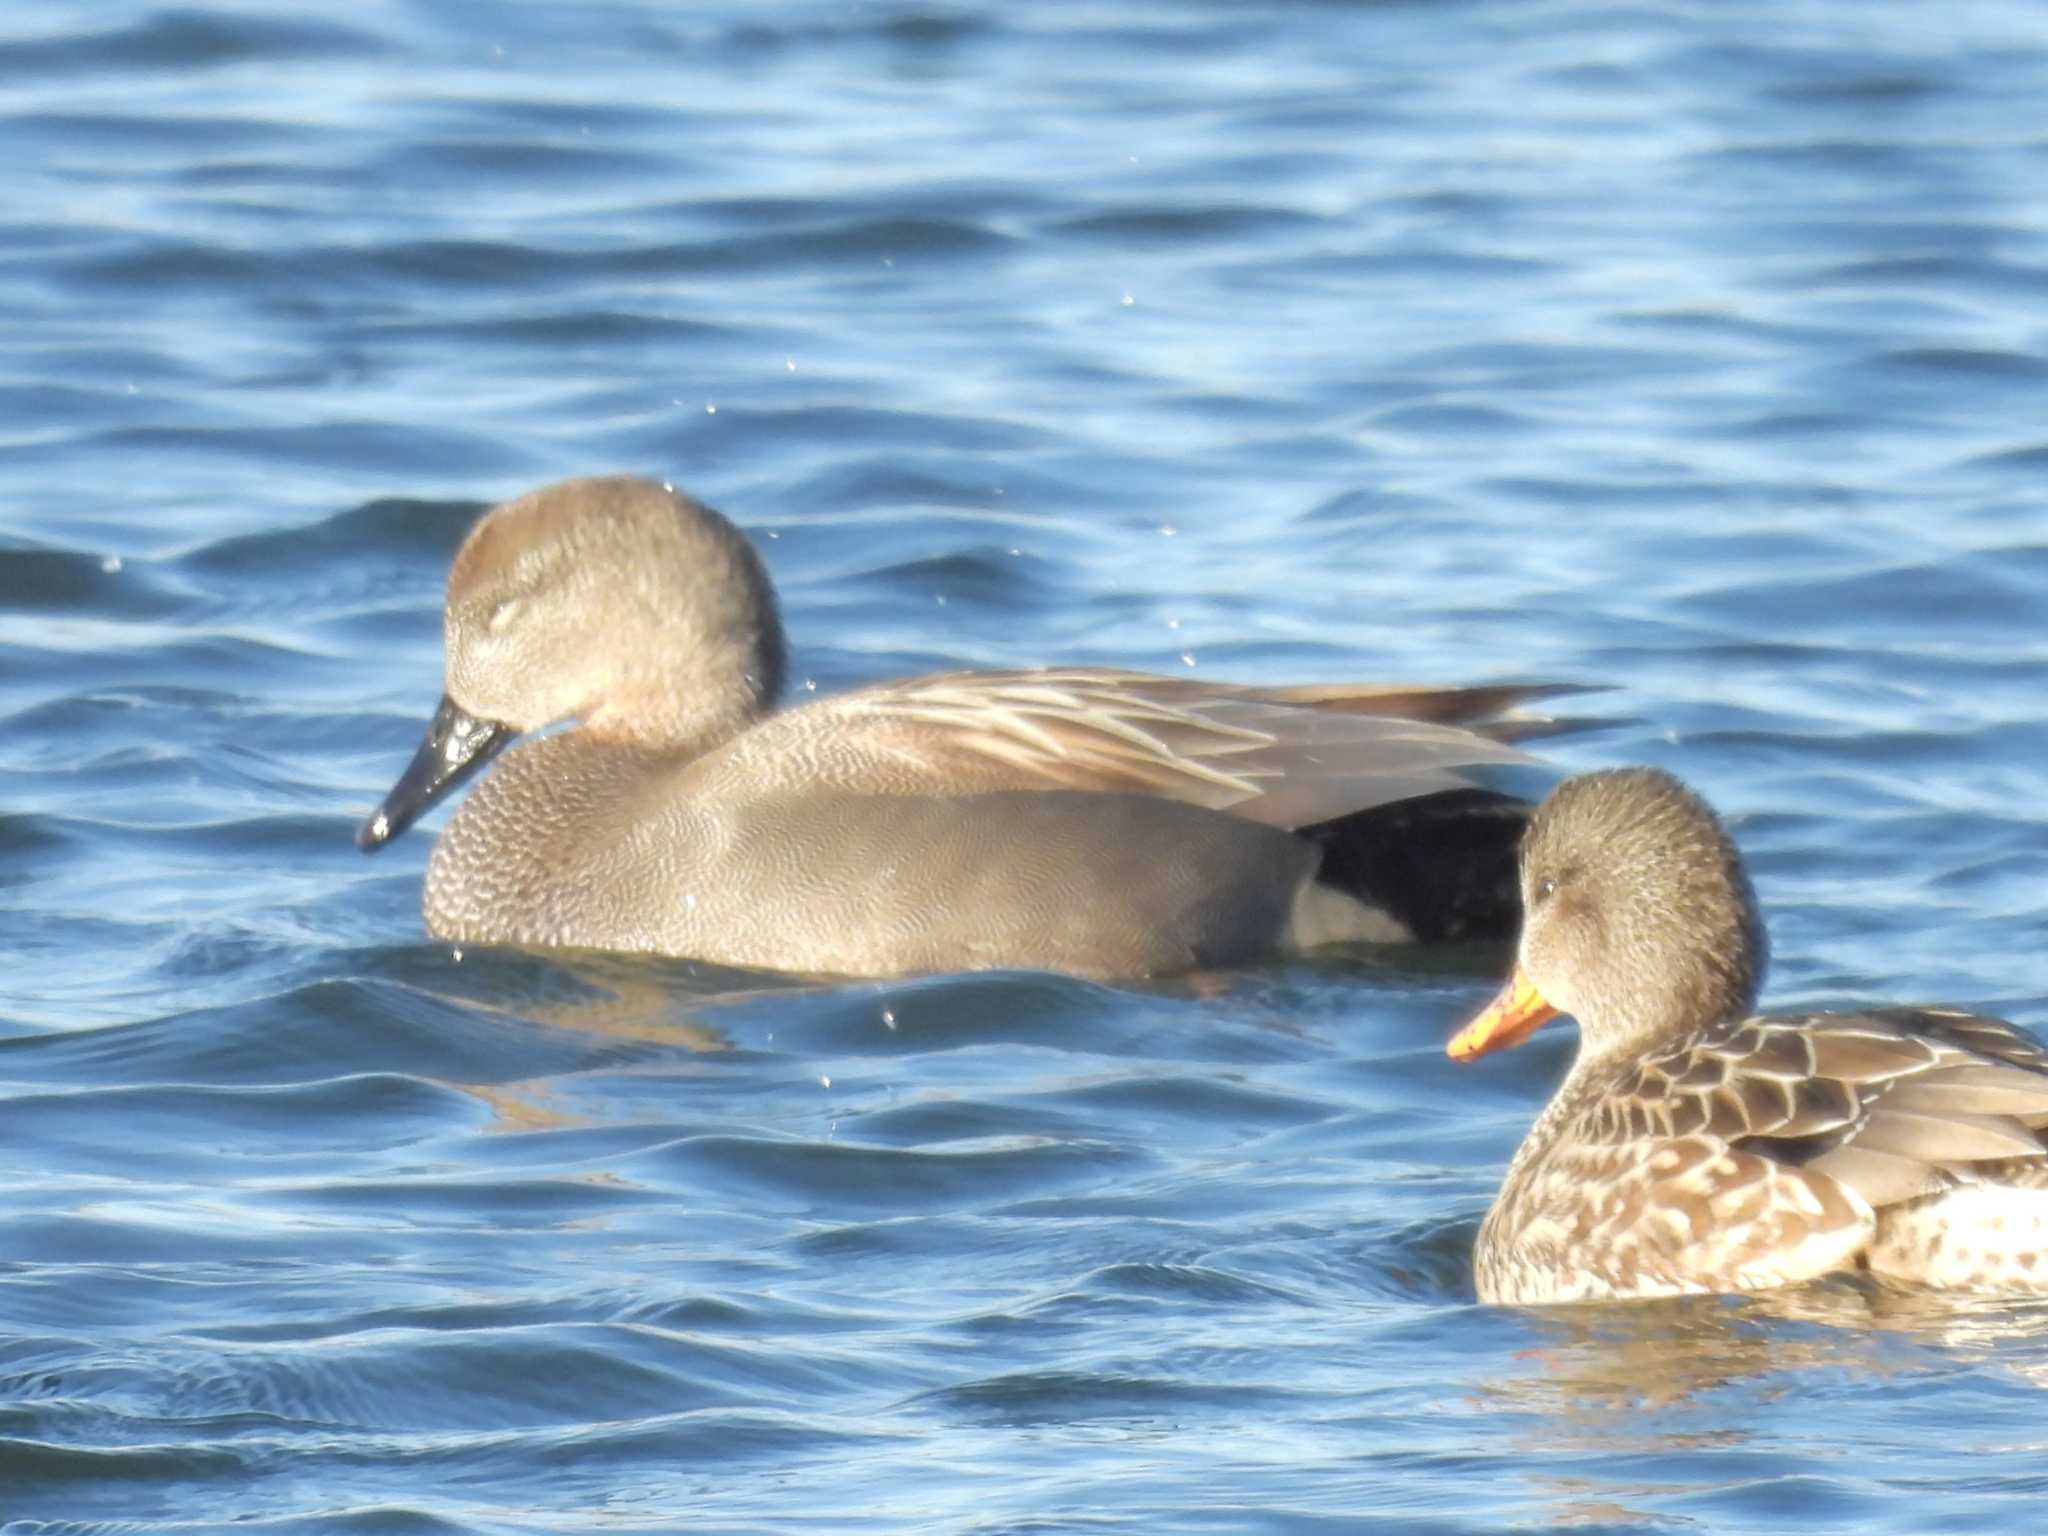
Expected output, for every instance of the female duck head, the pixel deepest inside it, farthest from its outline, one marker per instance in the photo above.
(1638, 919)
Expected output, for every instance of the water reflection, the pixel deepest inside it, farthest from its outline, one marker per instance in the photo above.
(1603, 1367)
(1617, 1401)
(628, 999)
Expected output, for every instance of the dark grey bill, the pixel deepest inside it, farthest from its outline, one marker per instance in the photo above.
(456, 745)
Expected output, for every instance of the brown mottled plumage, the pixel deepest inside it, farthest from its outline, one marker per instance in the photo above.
(1694, 1147)
(1088, 820)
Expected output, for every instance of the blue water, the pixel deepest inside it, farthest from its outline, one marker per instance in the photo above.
(1697, 351)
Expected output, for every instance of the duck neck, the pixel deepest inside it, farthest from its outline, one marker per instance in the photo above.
(1668, 1002)
(688, 722)
(1588, 1068)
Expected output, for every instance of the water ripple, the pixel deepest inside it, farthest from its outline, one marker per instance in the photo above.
(1690, 353)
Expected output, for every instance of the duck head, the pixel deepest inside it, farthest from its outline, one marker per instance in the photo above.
(1637, 919)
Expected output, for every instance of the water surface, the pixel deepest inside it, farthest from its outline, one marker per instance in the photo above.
(1696, 352)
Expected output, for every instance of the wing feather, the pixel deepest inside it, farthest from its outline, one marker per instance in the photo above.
(1285, 757)
(1763, 1151)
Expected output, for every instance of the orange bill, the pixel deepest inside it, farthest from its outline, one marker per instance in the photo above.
(1509, 1019)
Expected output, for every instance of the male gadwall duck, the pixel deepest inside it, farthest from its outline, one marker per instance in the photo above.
(1696, 1147)
(1099, 822)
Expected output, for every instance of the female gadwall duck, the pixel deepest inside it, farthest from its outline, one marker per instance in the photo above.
(1695, 1147)
(1098, 822)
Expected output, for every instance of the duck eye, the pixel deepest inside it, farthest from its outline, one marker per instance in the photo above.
(1545, 889)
